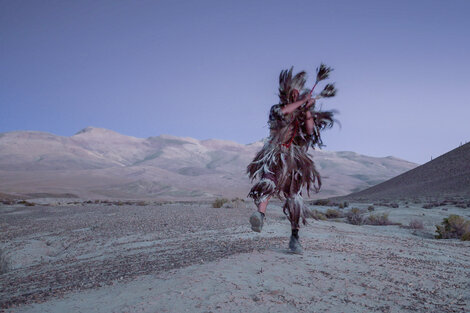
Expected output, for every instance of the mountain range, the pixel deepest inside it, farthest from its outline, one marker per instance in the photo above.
(99, 163)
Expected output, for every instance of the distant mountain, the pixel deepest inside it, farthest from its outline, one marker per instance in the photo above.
(100, 163)
(445, 176)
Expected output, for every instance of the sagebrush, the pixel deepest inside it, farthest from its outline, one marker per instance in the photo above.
(354, 216)
(454, 226)
(219, 202)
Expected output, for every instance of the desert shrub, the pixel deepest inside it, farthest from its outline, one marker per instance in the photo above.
(321, 202)
(453, 226)
(26, 203)
(141, 203)
(219, 202)
(377, 219)
(238, 203)
(332, 213)
(415, 224)
(315, 214)
(354, 216)
(370, 208)
(388, 205)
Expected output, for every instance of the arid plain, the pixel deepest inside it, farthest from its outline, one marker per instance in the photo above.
(370, 251)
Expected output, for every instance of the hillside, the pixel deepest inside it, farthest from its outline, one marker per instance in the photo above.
(445, 176)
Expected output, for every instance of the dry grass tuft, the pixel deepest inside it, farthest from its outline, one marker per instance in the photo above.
(415, 224)
(378, 219)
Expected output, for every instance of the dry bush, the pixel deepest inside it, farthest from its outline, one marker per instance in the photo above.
(238, 203)
(219, 202)
(235, 203)
(453, 226)
(377, 219)
(332, 213)
(322, 202)
(315, 214)
(26, 203)
(388, 205)
(415, 224)
(354, 216)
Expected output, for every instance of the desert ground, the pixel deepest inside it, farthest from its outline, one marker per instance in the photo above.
(60, 256)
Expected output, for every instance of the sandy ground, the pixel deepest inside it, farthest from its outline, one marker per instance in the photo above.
(191, 257)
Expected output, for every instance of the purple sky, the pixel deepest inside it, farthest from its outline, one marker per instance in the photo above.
(209, 69)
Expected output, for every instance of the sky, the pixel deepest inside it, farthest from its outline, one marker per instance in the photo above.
(209, 69)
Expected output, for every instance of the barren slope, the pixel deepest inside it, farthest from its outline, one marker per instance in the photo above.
(447, 175)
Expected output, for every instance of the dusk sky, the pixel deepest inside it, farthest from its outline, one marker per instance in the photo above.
(209, 69)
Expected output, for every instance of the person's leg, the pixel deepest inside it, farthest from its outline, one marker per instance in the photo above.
(263, 205)
(261, 193)
(293, 208)
(257, 218)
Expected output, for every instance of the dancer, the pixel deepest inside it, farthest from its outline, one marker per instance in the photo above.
(283, 167)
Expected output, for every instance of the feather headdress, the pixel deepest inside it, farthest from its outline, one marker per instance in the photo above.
(288, 84)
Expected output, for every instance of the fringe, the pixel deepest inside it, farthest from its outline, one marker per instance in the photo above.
(295, 209)
(262, 190)
(292, 167)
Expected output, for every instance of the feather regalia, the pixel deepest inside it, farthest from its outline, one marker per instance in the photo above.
(283, 166)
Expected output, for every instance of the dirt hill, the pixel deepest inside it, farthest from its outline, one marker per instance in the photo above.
(447, 175)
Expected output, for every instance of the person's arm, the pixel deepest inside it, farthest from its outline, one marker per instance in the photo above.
(291, 107)
(309, 122)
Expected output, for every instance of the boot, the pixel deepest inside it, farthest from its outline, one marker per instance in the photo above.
(257, 221)
(295, 246)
